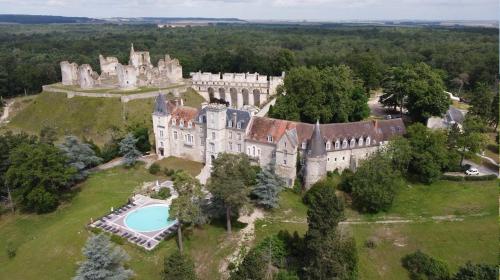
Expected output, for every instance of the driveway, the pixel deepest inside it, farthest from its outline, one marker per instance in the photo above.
(483, 170)
(376, 109)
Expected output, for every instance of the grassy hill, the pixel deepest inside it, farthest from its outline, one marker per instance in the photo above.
(93, 118)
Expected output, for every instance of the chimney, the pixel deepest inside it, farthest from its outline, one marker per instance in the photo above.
(234, 119)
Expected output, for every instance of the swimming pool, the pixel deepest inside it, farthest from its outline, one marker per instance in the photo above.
(149, 218)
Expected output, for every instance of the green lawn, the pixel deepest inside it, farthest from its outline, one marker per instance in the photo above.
(49, 246)
(93, 118)
(455, 243)
(192, 167)
(439, 199)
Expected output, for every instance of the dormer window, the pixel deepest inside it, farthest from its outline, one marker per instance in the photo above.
(328, 145)
(174, 122)
(353, 143)
(200, 119)
(368, 141)
(344, 144)
(337, 145)
(304, 145)
(230, 123)
(360, 141)
(238, 125)
(190, 124)
(269, 138)
(182, 123)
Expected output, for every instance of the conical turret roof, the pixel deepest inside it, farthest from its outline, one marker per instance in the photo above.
(317, 148)
(161, 105)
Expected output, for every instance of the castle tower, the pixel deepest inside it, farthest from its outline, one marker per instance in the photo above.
(161, 118)
(315, 158)
(215, 137)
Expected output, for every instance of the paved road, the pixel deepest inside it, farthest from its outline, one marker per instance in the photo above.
(376, 109)
(483, 170)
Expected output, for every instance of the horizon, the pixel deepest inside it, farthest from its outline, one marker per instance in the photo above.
(259, 10)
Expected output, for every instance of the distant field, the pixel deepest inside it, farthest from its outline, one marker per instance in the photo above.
(93, 118)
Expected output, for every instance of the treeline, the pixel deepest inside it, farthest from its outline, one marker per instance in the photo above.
(30, 54)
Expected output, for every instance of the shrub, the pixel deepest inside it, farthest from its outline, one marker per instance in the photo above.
(276, 246)
(11, 250)
(371, 243)
(168, 172)
(154, 169)
(297, 186)
(423, 266)
(452, 177)
(481, 178)
(346, 181)
(117, 239)
(163, 193)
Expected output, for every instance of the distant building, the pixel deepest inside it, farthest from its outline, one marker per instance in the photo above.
(202, 134)
(451, 117)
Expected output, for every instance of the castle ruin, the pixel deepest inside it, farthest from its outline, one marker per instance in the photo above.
(139, 72)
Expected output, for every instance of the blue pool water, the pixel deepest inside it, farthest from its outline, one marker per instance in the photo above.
(149, 218)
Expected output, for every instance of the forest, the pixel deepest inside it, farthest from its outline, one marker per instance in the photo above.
(30, 54)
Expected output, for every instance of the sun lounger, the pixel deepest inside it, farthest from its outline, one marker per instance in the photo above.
(133, 238)
(142, 242)
(98, 224)
(158, 238)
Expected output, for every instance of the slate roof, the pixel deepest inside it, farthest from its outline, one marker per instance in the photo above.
(318, 148)
(377, 130)
(161, 105)
(242, 117)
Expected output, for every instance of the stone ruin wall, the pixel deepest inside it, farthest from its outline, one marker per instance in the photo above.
(139, 72)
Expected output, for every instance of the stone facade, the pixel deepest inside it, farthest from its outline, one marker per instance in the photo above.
(238, 89)
(202, 134)
(139, 72)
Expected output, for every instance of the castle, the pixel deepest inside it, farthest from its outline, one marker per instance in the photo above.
(201, 134)
(139, 72)
(238, 89)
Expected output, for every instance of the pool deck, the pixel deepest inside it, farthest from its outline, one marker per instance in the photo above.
(115, 222)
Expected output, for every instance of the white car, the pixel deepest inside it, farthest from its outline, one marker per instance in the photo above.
(472, 172)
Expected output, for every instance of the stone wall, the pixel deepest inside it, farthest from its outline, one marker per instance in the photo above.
(69, 73)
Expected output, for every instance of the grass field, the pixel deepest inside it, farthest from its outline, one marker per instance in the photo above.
(471, 237)
(192, 167)
(93, 118)
(455, 243)
(49, 246)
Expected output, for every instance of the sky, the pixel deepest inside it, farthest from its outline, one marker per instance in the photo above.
(325, 10)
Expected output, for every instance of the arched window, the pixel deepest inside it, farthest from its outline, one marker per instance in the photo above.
(344, 144)
(360, 141)
(337, 145)
(368, 141)
(238, 125)
(353, 143)
(304, 145)
(182, 123)
(328, 145)
(230, 123)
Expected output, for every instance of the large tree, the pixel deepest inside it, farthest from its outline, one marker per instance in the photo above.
(103, 261)
(186, 208)
(480, 100)
(230, 182)
(79, 155)
(129, 149)
(430, 155)
(332, 94)
(178, 266)
(38, 174)
(476, 272)
(470, 139)
(375, 183)
(266, 190)
(417, 88)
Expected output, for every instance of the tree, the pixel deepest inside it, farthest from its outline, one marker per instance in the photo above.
(494, 113)
(461, 80)
(230, 182)
(103, 261)
(399, 150)
(470, 139)
(178, 266)
(375, 183)
(129, 150)
(268, 188)
(476, 272)
(38, 174)
(429, 152)
(141, 133)
(282, 60)
(186, 208)
(334, 94)
(417, 88)
(325, 209)
(423, 266)
(480, 101)
(253, 266)
(79, 155)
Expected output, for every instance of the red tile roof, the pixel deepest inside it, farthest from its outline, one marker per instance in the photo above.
(184, 113)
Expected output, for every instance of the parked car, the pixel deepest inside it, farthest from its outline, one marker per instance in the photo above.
(472, 172)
